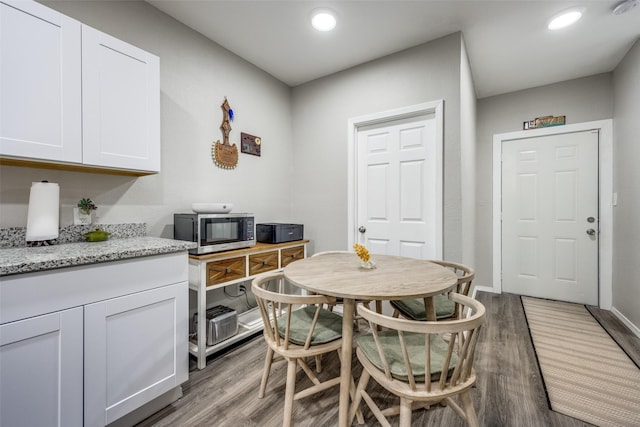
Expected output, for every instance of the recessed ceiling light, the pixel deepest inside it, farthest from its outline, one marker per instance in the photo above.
(625, 7)
(323, 19)
(565, 19)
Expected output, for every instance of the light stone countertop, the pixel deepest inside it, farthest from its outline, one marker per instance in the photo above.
(25, 260)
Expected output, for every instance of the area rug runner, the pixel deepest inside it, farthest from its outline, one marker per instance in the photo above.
(586, 374)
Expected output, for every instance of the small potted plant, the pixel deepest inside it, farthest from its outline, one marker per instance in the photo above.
(83, 213)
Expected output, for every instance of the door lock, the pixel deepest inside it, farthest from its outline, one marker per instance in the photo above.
(591, 220)
(591, 232)
(362, 229)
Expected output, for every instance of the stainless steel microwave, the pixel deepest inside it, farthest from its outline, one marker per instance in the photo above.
(215, 232)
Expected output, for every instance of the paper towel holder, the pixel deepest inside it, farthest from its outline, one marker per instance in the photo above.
(43, 214)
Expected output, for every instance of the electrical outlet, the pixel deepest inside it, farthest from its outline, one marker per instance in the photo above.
(243, 288)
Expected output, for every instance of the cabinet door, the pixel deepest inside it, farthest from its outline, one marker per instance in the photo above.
(40, 93)
(41, 370)
(135, 349)
(121, 104)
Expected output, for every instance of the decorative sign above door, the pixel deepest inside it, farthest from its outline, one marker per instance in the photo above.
(223, 153)
(543, 122)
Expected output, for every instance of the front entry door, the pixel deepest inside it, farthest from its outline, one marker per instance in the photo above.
(399, 171)
(550, 217)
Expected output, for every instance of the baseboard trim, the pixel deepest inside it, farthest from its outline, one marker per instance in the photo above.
(488, 289)
(633, 328)
(149, 408)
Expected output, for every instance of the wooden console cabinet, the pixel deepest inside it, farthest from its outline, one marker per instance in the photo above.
(213, 271)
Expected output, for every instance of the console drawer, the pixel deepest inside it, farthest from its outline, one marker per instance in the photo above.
(263, 262)
(226, 270)
(291, 254)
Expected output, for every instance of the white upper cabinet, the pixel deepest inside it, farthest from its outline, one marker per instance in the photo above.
(121, 103)
(40, 93)
(71, 94)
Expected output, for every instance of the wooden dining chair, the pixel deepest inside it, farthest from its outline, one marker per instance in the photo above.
(444, 308)
(413, 360)
(296, 327)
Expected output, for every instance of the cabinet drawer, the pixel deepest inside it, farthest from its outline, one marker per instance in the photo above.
(292, 254)
(226, 270)
(260, 263)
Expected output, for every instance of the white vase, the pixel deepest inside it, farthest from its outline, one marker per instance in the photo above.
(81, 218)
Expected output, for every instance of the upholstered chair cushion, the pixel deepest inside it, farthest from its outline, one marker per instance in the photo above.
(415, 349)
(414, 308)
(328, 328)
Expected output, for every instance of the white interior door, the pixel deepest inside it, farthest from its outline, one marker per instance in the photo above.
(550, 217)
(399, 170)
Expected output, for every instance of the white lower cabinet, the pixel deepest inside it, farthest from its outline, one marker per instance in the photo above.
(41, 370)
(88, 345)
(134, 351)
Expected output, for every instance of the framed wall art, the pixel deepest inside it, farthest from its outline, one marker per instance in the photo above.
(250, 144)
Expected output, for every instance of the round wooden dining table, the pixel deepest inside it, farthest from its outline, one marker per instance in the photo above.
(340, 274)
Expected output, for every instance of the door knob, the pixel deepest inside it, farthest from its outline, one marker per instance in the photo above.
(591, 232)
(362, 229)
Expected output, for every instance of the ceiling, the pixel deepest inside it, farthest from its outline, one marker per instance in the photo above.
(508, 43)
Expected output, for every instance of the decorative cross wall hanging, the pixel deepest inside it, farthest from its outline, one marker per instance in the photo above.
(224, 154)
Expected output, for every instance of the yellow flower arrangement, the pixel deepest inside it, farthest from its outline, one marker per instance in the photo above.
(362, 252)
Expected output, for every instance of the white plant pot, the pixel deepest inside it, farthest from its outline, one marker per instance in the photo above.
(81, 218)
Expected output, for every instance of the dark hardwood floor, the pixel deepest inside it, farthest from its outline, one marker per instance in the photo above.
(509, 392)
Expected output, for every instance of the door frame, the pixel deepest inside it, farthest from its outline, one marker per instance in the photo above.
(605, 200)
(354, 124)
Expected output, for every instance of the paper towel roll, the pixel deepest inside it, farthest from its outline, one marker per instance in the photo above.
(44, 211)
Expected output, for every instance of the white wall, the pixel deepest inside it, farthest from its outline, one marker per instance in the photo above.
(468, 114)
(302, 174)
(321, 110)
(580, 100)
(196, 74)
(626, 232)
